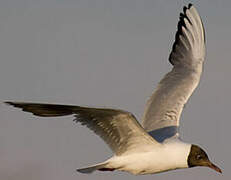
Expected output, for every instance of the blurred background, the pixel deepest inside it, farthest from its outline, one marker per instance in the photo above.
(105, 53)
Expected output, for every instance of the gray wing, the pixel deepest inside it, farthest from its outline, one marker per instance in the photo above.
(163, 109)
(119, 129)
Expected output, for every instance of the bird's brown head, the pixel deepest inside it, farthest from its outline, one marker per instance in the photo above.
(198, 157)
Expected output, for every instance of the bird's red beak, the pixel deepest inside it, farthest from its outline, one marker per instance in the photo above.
(214, 167)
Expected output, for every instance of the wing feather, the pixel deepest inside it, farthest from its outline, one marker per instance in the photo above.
(164, 107)
(118, 128)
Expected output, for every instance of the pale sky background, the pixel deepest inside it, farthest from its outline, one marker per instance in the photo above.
(108, 53)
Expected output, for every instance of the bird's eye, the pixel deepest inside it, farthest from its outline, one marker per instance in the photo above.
(198, 157)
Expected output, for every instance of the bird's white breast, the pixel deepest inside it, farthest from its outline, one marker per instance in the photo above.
(172, 155)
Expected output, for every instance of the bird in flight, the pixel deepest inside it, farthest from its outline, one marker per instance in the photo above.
(155, 145)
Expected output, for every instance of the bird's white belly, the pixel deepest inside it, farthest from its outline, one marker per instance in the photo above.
(142, 163)
(156, 161)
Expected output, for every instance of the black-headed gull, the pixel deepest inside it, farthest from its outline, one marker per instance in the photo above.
(155, 145)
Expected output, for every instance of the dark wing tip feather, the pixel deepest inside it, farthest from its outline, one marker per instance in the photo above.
(43, 110)
(11, 103)
(190, 5)
(8, 103)
(180, 24)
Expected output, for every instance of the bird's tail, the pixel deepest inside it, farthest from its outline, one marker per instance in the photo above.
(101, 167)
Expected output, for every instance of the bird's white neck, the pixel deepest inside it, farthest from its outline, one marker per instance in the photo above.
(177, 153)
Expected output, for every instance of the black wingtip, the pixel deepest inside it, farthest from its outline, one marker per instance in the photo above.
(15, 104)
(180, 24)
(8, 103)
(190, 5)
(185, 7)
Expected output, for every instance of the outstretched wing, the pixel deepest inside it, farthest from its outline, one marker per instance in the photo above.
(119, 129)
(163, 110)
